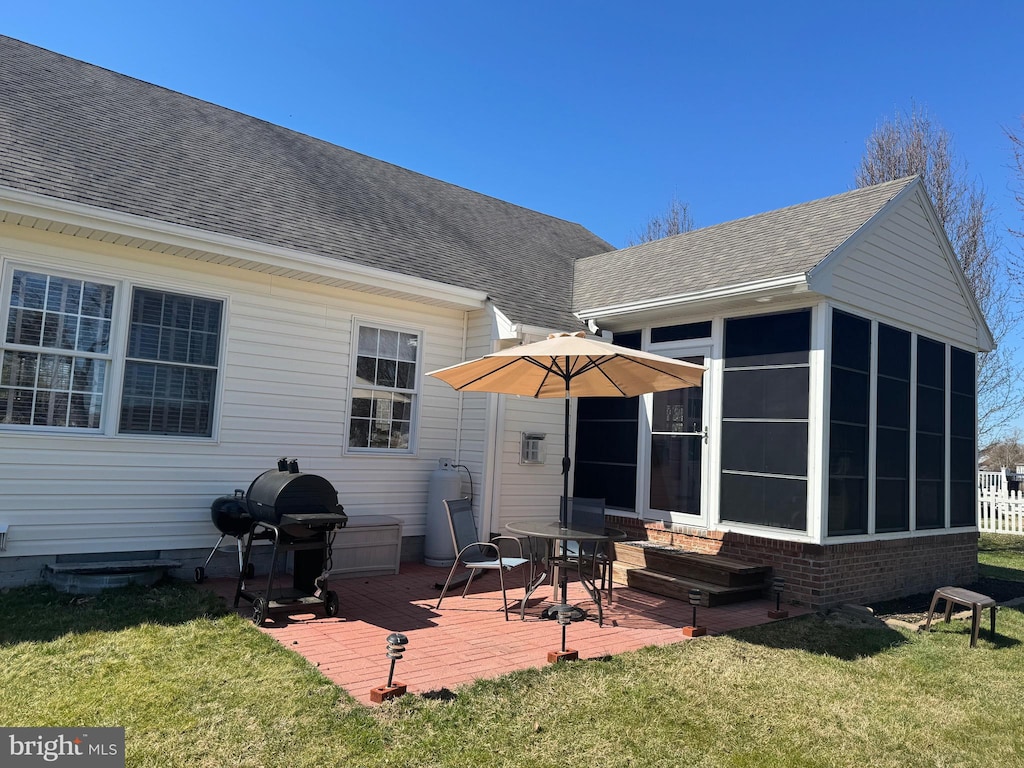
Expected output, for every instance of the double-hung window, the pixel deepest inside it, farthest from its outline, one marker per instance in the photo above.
(68, 340)
(383, 395)
(170, 369)
(56, 352)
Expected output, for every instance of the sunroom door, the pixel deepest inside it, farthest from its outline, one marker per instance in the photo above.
(677, 453)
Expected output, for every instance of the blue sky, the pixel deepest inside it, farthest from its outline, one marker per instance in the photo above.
(596, 112)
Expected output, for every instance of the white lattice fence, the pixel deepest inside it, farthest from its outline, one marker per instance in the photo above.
(1000, 511)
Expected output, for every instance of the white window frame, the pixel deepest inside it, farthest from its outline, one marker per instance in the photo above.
(125, 360)
(109, 357)
(115, 357)
(702, 347)
(354, 386)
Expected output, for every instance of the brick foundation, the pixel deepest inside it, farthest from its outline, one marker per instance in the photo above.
(823, 576)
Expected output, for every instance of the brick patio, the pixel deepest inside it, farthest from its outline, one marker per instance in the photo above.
(468, 639)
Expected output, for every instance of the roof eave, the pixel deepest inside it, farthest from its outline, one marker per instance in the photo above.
(92, 222)
(763, 291)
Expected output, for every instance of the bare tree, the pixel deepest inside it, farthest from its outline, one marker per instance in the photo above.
(1007, 452)
(1017, 150)
(913, 144)
(674, 221)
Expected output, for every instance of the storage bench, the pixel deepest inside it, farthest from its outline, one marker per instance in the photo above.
(368, 545)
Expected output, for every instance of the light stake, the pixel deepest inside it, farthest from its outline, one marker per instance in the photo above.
(397, 643)
(564, 615)
(693, 630)
(778, 585)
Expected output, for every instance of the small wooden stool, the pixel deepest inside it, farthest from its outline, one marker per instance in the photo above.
(973, 600)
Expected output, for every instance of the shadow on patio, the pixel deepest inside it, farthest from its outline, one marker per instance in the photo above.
(469, 638)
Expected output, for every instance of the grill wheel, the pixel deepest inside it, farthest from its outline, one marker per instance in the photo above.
(259, 611)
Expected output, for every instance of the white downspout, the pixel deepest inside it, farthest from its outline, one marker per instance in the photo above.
(490, 510)
(462, 395)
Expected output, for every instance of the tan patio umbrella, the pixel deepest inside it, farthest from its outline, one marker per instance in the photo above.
(570, 365)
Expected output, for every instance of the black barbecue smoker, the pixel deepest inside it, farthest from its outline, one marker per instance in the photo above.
(299, 513)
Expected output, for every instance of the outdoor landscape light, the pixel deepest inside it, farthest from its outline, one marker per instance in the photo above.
(397, 643)
(563, 613)
(778, 585)
(693, 630)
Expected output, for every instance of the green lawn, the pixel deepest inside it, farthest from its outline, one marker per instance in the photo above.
(1001, 556)
(194, 686)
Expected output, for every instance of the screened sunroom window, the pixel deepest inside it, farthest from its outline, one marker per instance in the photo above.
(765, 420)
(892, 439)
(848, 428)
(384, 393)
(963, 462)
(931, 433)
(56, 351)
(605, 465)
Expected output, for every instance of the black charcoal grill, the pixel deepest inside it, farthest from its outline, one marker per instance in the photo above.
(230, 515)
(298, 503)
(300, 513)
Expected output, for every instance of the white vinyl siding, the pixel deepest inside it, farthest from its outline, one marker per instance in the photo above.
(532, 490)
(898, 273)
(283, 392)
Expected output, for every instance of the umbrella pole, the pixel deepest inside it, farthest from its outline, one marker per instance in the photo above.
(564, 511)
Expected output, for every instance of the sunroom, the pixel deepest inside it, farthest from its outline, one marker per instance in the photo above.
(835, 435)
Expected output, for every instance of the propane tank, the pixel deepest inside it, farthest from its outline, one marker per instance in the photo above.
(445, 483)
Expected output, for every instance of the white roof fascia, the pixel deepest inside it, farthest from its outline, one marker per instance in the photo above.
(787, 284)
(145, 229)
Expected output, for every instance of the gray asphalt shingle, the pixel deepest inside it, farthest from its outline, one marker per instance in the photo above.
(789, 241)
(77, 132)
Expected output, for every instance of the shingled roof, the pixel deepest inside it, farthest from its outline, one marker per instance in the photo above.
(80, 133)
(782, 243)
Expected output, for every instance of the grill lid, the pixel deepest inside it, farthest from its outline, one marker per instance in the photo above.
(231, 514)
(286, 491)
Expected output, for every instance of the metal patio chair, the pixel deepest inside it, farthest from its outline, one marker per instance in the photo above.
(589, 513)
(479, 556)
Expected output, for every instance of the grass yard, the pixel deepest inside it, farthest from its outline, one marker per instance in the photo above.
(1001, 556)
(195, 686)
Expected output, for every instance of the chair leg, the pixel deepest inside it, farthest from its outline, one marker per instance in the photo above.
(526, 592)
(448, 581)
(472, 575)
(931, 610)
(504, 599)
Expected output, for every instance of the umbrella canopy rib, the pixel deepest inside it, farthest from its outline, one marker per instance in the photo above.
(482, 376)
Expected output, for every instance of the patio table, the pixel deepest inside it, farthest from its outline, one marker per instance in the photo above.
(555, 536)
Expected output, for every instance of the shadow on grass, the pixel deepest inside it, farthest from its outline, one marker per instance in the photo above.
(1000, 572)
(833, 634)
(41, 614)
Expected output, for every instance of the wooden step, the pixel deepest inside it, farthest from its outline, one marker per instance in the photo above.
(711, 569)
(712, 595)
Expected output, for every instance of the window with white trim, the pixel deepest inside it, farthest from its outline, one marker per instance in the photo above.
(56, 351)
(58, 366)
(384, 390)
(170, 369)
